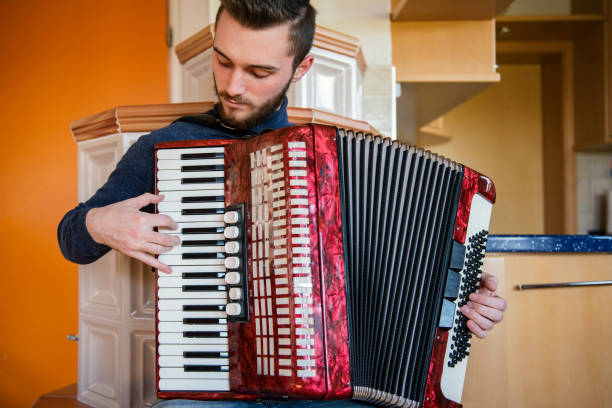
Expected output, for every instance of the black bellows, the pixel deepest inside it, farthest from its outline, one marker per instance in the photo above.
(399, 207)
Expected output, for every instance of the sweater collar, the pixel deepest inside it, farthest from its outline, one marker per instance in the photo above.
(276, 120)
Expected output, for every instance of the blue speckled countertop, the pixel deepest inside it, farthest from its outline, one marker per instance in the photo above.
(549, 243)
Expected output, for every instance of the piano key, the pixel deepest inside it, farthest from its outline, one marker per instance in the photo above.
(179, 282)
(177, 293)
(180, 175)
(188, 384)
(186, 165)
(177, 185)
(167, 206)
(195, 272)
(191, 304)
(180, 327)
(178, 217)
(181, 338)
(195, 196)
(180, 361)
(205, 227)
(178, 372)
(190, 153)
(180, 349)
(202, 288)
(182, 249)
(205, 335)
(173, 260)
(180, 315)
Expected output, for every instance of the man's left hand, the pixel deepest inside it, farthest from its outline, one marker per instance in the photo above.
(484, 309)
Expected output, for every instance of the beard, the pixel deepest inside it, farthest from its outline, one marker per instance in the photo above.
(258, 113)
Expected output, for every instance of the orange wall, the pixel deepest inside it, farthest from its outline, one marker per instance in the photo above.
(59, 61)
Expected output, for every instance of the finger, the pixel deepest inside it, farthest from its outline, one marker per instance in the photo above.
(487, 312)
(166, 240)
(482, 322)
(489, 282)
(144, 199)
(476, 330)
(163, 221)
(155, 249)
(492, 301)
(150, 260)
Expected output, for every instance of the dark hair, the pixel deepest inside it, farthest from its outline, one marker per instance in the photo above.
(258, 14)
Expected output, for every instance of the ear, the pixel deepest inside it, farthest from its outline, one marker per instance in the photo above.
(303, 68)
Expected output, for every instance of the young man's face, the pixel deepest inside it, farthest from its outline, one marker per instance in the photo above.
(252, 70)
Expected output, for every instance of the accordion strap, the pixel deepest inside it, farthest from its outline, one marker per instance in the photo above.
(213, 122)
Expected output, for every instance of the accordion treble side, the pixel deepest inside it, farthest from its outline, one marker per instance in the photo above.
(317, 263)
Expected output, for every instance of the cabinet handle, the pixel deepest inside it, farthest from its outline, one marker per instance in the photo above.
(563, 285)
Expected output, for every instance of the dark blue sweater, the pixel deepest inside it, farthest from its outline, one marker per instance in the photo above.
(134, 175)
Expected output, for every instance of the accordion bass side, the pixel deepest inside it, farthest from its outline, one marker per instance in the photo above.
(317, 263)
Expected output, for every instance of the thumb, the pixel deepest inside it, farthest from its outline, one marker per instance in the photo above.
(143, 200)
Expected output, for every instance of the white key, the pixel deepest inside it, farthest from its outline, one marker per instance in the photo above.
(218, 226)
(178, 372)
(178, 271)
(179, 315)
(175, 154)
(176, 185)
(176, 282)
(219, 249)
(177, 206)
(179, 349)
(193, 385)
(178, 260)
(200, 237)
(177, 304)
(178, 217)
(179, 195)
(180, 361)
(166, 164)
(179, 327)
(177, 293)
(178, 175)
(178, 338)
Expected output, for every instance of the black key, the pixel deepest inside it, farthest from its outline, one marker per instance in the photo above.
(206, 230)
(202, 211)
(203, 199)
(203, 308)
(202, 275)
(211, 368)
(202, 334)
(199, 156)
(197, 180)
(202, 320)
(204, 255)
(204, 354)
(202, 288)
(202, 243)
(211, 167)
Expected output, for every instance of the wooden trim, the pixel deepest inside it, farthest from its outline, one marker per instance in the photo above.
(446, 10)
(306, 115)
(146, 118)
(137, 118)
(195, 45)
(325, 38)
(550, 18)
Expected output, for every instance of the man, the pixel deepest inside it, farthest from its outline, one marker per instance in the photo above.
(260, 48)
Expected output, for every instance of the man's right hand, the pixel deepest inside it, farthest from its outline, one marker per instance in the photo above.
(122, 226)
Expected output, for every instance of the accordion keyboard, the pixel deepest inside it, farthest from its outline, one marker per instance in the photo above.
(193, 300)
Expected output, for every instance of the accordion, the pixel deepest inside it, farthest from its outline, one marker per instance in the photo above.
(317, 263)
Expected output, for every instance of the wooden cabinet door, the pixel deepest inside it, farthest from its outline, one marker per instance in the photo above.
(554, 347)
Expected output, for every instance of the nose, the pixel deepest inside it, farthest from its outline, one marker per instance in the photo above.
(236, 84)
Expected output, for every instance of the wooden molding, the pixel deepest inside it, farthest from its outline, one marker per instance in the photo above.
(195, 45)
(441, 10)
(137, 118)
(325, 38)
(146, 118)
